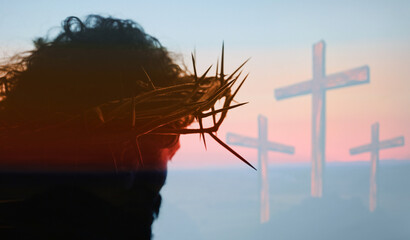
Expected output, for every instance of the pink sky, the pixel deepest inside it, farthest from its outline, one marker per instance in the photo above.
(350, 111)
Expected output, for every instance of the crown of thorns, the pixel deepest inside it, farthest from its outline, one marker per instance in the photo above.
(170, 110)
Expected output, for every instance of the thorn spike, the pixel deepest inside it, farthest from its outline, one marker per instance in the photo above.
(194, 65)
(217, 68)
(222, 62)
(201, 127)
(213, 115)
(149, 79)
(231, 150)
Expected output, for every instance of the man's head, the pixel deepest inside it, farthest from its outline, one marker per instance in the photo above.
(89, 63)
(104, 89)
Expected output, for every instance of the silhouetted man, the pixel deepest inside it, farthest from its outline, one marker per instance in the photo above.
(62, 176)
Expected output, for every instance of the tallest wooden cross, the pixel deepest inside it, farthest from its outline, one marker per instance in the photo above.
(318, 87)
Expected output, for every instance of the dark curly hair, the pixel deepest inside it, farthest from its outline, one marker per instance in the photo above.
(90, 62)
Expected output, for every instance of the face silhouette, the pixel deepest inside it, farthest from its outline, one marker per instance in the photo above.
(157, 150)
(153, 154)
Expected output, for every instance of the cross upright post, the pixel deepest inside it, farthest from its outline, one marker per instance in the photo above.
(263, 145)
(318, 86)
(374, 147)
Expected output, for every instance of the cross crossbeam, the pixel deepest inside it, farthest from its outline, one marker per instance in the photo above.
(264, 146)
(344, 79)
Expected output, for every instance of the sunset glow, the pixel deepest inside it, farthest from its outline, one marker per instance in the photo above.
(279, 45)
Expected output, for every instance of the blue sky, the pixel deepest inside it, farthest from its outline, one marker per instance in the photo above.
(187, 24)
